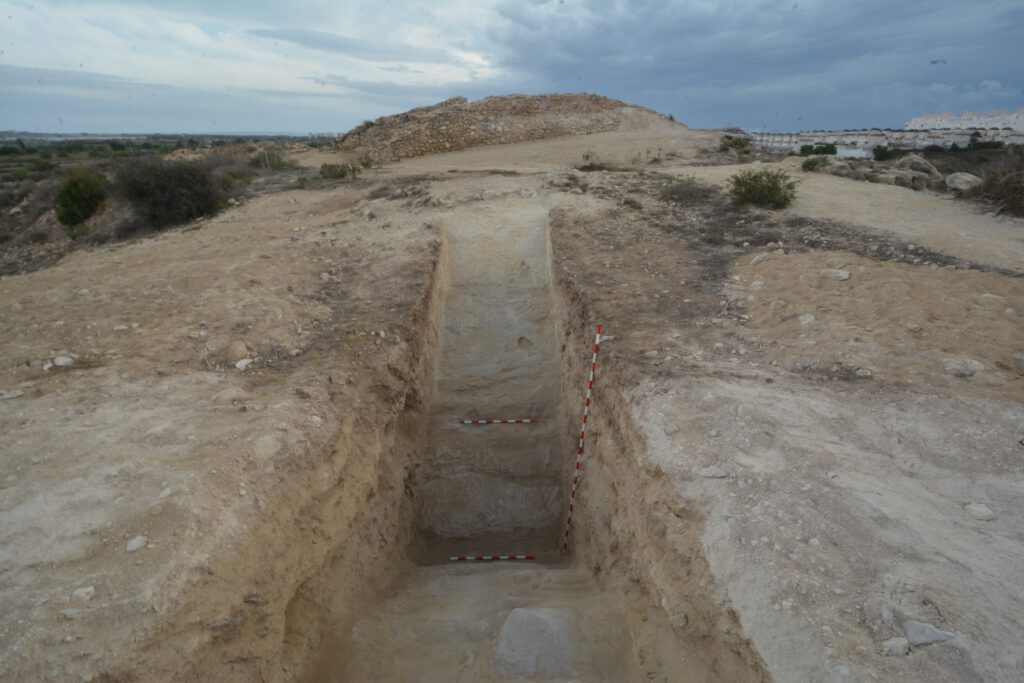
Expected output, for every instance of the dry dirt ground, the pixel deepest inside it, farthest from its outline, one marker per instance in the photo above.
(807, 431)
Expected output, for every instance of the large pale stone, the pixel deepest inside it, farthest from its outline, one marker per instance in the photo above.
(537, 641)
(962, 181)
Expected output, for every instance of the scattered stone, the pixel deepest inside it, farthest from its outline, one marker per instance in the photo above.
(71, 613)
(232, 201)
(713, 472)
(15, 211)
(760, 258)
(896, 647)
(166, 492)
(835, 274)
(136, 543)
(963, 367)
(243, 364)
(919, 633)
(63, 361)
(13, 393)
(962, 181)
(120, 328)
(238, 350)
(863, 373)
(536, 642)
(980, 512)
(806, 319)
(84, 594)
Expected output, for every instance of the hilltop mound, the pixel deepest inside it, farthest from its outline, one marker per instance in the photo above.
(458, 123)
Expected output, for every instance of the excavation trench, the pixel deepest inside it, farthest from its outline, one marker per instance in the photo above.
(627, 603)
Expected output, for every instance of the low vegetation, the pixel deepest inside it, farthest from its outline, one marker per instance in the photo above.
(80, 195)
(818, 149)
(1004, 184)
(812, 164)
(591, 162)
(767, 189)
(340, 171)
(882, 153)
(165, 193)
(735, 143)
(686, 190)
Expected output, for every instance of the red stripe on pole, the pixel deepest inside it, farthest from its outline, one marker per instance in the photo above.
(489, 558)
(583, 430)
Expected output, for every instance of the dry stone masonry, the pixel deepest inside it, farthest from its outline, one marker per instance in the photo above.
(458, 124)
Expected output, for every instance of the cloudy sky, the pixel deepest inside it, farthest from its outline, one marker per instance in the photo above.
(324, 65)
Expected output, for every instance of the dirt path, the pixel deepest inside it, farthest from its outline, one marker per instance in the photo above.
(947, 225)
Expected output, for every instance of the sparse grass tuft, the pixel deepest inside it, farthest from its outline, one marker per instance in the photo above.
(340, 171)
(686, 190)
(767, 189)
(591, 162)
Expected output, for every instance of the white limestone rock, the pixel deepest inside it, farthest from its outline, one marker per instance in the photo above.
(980, 512)
(962, 181)
(919, 633)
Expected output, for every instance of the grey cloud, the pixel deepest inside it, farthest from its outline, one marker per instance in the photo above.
(370, 50)
(48, 100)
(829, 65)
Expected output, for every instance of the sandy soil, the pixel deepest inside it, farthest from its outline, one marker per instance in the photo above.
(807, 427)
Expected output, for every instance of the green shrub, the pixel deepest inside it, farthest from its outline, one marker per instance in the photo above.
(732, 143)
(168, 192)
(685, 190)
(768, 189)
(881, 152)
(340, 171)
(812, 164)
(818, 148)
(80, 195)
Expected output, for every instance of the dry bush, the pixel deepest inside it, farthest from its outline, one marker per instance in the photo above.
(686, 190)
(1004, 184)
(812, 164)
(169, 192)
(340, 171)
(767, 189)
(733, 143)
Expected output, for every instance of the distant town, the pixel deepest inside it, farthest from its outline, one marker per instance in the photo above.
(945, 130)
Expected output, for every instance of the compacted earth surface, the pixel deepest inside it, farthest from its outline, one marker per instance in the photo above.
(236, 451)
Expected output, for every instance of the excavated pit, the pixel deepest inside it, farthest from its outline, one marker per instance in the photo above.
(622, 606)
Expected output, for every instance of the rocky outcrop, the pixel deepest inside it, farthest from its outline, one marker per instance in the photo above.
(458, 124)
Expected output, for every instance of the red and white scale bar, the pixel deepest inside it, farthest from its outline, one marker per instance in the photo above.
(583, 433)
(488, 558)
(529, 420)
